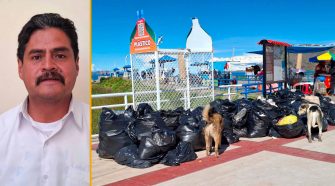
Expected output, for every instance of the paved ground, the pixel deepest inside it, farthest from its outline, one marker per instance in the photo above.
(261, 161)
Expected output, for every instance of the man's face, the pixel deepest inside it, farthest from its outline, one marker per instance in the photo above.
(49, 69)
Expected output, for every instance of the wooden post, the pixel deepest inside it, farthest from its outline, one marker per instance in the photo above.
(181, 65)
(299, 61)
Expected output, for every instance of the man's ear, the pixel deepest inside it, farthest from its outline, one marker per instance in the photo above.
(20, 68)
(77, 64)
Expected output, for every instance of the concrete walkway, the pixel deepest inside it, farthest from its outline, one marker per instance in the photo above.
(260, 161)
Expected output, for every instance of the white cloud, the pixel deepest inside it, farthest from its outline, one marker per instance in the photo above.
(215, 59)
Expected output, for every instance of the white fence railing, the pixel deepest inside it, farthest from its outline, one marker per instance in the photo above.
(229, 93)
(126, 103)
(124, 94)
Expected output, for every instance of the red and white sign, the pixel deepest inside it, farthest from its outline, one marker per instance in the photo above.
(143, 39)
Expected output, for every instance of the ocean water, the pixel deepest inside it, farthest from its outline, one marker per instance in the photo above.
(238, 73)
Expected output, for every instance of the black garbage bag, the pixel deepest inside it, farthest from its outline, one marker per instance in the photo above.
(155, 147)
(112, 133)
(267, 111)
(164, 139)
(188, 119)
(149, 151)
(197, 113)
(112, 141)
(228, 137)
(241, 132)
(324, 101)
(295, 107)
(244, 106)
(143, 108)
(130, 113)
(286, 101)
(286, 94)
(129, 156)
(257, 124)
(171, 118)
(243, 103)
(191, 131)
(227, 124)
(286, 106)
(107, 120)
(330, 115)
(217, 105)
(290, 131)
(142, 126)
(274, 133)
(182, 153)
(328, 109)
(240, 119)
(224, 107)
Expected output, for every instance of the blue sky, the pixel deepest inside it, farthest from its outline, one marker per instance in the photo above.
(237, 24)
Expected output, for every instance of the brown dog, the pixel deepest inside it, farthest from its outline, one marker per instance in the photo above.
(213, 129)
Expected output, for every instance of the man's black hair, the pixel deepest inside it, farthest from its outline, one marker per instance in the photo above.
(43, 21)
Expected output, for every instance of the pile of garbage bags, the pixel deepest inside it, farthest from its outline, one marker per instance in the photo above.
(146, 137)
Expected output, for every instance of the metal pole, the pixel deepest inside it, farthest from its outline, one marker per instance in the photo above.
(286, 57)
(125, 101)
(211, 61)
(229, 93)
(157, 81)
(185, 99)
(264, 70)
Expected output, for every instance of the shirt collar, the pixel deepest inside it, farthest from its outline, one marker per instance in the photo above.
(74, 111)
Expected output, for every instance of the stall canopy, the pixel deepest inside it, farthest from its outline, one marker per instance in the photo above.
(164, 59)
(322, 57)
(300, 49)
(309, 49)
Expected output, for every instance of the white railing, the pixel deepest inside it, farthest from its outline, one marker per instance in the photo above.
(124, 94)
(229, 93)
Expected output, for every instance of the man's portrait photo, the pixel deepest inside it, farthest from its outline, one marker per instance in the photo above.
(45, 116)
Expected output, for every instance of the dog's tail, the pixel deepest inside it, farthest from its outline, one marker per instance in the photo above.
(206, 113)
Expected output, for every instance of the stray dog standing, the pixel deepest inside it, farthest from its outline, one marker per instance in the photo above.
(314, 116)
(213, 129)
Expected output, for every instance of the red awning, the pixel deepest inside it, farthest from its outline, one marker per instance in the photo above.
(272, 42)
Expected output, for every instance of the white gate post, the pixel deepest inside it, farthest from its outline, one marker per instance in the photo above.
(188, 95)
(125, 102)
(157, 81)
(132, 80)
(213, 86)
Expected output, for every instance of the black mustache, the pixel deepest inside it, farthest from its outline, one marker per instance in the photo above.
(50, 75)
